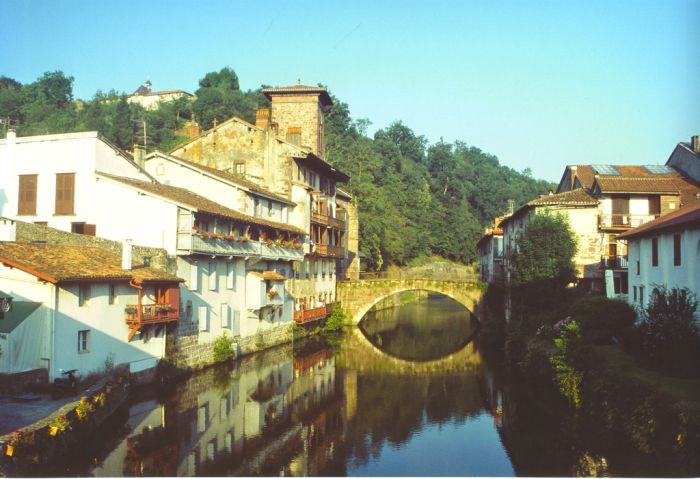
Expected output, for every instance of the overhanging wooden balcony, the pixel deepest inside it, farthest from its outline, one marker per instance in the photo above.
(197, 243)
(165, 310)
(614, 262)
(303, 316)
(321, 219)
(329, 251)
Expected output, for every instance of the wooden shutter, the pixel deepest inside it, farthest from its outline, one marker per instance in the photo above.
(26, 203)
(65, 193)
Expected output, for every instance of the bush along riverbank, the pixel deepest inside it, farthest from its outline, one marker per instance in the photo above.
(586, 360)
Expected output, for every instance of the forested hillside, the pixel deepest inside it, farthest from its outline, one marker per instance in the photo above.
(415, 199)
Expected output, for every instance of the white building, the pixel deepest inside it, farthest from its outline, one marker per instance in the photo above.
(81, 307)
(50, 180)
(151, 100)
(664, 252)
(490, 248)
(235, 263)
(581, 210)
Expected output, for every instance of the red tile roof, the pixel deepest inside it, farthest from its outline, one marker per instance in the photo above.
(224, 175)
(577, 197)
(199, 203)
(686, 216)
(615, 184)
(59, 264)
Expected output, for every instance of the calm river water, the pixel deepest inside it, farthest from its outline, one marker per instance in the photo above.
(412, 392)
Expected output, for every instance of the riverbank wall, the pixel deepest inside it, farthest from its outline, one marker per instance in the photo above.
(34, 447)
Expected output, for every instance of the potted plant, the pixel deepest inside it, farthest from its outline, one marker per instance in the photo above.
(83, 409)
(59, 424)
(99, 399)
(17, 438)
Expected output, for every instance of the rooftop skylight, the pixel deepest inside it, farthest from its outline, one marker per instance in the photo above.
(606, 170)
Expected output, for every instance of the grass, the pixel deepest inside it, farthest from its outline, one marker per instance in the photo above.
(678, 388)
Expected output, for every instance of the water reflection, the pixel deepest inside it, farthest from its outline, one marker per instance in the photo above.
(308, 410)
(425, 330)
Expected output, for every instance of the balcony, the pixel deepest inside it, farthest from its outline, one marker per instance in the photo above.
(303, 316)
(328, 251)
(613, 262)
(150, 314)
(623, 221)
(197, 243)
(322, 219)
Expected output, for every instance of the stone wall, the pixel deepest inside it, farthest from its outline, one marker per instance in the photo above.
(301, 111)
(158, 256)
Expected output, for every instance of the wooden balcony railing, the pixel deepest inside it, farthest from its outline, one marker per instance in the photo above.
(329, 251)
(303, 316)
(614, 262)
(149, 314)
(623, 221)
(337, 223)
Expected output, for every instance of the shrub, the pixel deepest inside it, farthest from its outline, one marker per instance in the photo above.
(223, 348)
(563, 361)
(668, 335)
(601, 319)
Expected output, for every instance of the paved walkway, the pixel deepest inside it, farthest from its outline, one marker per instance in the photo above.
(15, 414)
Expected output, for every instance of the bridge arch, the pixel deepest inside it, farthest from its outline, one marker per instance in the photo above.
(358, 297)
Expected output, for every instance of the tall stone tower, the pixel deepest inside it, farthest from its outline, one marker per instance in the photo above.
(298, 112)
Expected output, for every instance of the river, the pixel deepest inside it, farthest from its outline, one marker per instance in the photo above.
(412, 392)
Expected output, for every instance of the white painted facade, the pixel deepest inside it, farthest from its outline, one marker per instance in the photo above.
(46, 156)
(644, 277)
(65, 322)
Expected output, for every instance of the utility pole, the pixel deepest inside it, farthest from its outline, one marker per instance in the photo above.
(8, 124)
(143, 123)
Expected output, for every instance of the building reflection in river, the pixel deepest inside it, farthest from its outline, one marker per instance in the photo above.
(274, 413)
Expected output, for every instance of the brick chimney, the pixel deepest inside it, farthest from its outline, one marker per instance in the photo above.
(695, 143)
(262, 118)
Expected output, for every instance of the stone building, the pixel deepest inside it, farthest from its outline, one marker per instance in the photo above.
(283, 152)
(150, 100)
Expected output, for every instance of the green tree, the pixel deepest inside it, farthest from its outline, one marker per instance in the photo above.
(545, 252)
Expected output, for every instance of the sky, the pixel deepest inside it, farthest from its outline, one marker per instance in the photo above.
(540, 84)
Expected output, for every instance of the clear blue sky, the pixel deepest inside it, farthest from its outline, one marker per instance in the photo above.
(540, 84)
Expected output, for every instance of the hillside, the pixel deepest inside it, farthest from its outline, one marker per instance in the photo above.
(415, 199)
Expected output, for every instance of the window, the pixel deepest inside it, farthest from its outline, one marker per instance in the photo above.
(26, 202)
(83, 229)
(294, 135)
(84, 341)
(641, 295)
(676, 250)
(634, 291)
(213, 283)
(655, 251)
(203, 317)
(230, 275)
(65, 193)
(112, 293)
(239, 167)
(194, 276)
(637, 267)
(269, 208)
(83, 294)
(225, 316)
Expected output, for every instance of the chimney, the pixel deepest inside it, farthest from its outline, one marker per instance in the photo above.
(12, 136)
(573, 170)
(8, 230)
(262, 118)
(139, 154)
(695, 143)
(126, 254)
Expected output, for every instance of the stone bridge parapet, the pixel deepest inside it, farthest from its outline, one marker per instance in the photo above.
(358, 297)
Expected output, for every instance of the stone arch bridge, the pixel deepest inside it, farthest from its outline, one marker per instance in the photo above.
(358, 297)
